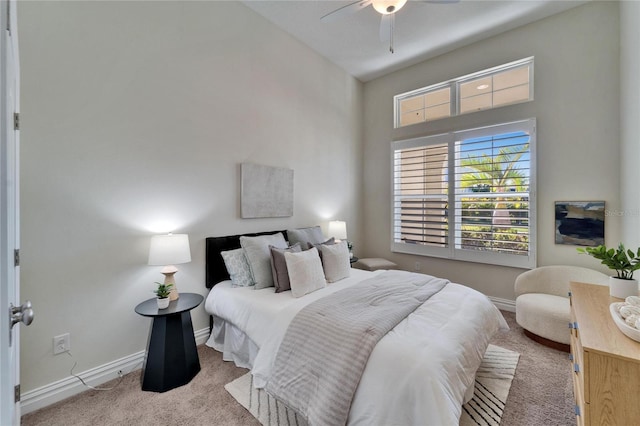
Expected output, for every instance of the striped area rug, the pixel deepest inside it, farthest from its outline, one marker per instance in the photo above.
(493, 381)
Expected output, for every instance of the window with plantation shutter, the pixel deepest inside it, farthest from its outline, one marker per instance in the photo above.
(467, 195)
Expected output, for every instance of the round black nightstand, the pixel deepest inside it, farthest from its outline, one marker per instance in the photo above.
(172, 358)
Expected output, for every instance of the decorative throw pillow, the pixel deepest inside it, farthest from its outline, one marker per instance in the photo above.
(330, 241)
(305, 235)
(279, 267)
(335, 261)
(305, 272)
(238, 268)
(256, 249)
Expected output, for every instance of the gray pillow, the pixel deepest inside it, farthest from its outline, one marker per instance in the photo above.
(329, 242)
(279, 267)
(256, 249)
(303, 236)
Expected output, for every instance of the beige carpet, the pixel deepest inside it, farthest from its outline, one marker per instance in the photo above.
(485, 408)
(541, 394)
(203, 401)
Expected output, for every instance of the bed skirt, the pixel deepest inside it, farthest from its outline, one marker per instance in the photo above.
(233, 343)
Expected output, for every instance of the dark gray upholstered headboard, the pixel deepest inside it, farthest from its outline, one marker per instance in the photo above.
(215, 270)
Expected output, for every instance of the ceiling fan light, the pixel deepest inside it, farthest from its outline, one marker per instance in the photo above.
(387, 7)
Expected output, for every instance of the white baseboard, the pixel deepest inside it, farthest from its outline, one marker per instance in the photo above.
(202, 335)
(67, 387)
(504, 304)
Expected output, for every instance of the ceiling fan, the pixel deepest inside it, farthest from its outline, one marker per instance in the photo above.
(387, 8)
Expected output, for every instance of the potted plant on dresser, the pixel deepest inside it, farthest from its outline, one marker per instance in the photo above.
(162, 292)
(621, 260)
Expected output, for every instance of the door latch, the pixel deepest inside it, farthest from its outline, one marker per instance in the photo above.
(23, 313)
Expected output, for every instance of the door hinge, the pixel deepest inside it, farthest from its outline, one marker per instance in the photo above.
(16, 393)
(16, 257)
(16, 121)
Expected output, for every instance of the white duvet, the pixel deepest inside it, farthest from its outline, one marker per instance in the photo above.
(416, 375)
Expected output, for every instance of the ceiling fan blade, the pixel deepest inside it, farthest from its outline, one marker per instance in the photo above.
(346, 10)
(386, 26)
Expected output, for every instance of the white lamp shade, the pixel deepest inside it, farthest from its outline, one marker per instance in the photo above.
(169, 249)
(338, 229)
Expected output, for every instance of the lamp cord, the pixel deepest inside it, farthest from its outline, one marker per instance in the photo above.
(120, 375)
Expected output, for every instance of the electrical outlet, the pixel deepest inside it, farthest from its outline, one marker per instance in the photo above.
(417, 266)
(61, 344)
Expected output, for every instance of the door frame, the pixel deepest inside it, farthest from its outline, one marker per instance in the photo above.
(9, 213)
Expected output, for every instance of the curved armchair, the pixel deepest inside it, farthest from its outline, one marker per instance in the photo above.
(542, 301)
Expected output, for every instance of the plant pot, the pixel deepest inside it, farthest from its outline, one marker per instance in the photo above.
(163, 303)
(622, 288)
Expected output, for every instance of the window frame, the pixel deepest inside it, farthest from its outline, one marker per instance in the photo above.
(454, 91)
(450, 251)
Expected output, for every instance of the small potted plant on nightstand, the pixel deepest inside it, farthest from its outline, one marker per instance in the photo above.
(162, 292)
(624, 262)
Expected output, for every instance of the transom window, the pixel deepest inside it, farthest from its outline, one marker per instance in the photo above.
(428, 106)
(504, 85)
(467, 195)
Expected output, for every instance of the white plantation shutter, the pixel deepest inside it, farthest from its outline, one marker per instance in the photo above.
(467, 195)
(421, 181)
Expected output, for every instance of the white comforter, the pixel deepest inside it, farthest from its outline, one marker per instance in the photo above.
(416, 375)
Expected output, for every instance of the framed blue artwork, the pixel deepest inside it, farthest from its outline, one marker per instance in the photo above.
(580, 223)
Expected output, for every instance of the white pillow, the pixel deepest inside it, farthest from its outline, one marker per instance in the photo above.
(256, 249)
(305, 272)
(335, 261)
(238, 268)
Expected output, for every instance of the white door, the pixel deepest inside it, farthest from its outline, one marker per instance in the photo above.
(9, 220)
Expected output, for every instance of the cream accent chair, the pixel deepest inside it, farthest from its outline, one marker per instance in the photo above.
(542, 301)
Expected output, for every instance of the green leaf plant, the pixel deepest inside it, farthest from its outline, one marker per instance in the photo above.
(621, 260)
(163, 290)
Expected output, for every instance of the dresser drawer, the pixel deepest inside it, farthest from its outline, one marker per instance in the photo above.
(582, 414)
(574, 327)
(578, 376)
(578, 367)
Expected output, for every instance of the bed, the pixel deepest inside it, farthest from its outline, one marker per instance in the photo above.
(420, 372)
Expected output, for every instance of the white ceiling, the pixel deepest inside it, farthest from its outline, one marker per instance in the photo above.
(422, 30)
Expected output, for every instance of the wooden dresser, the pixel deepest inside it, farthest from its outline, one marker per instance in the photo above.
(605, 362)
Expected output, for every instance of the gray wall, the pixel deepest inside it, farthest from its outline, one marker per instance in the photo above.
(577, 109)
(135, 118)
(630, 122)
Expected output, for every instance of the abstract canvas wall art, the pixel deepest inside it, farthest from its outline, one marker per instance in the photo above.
(580, 223)
(265, 191)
